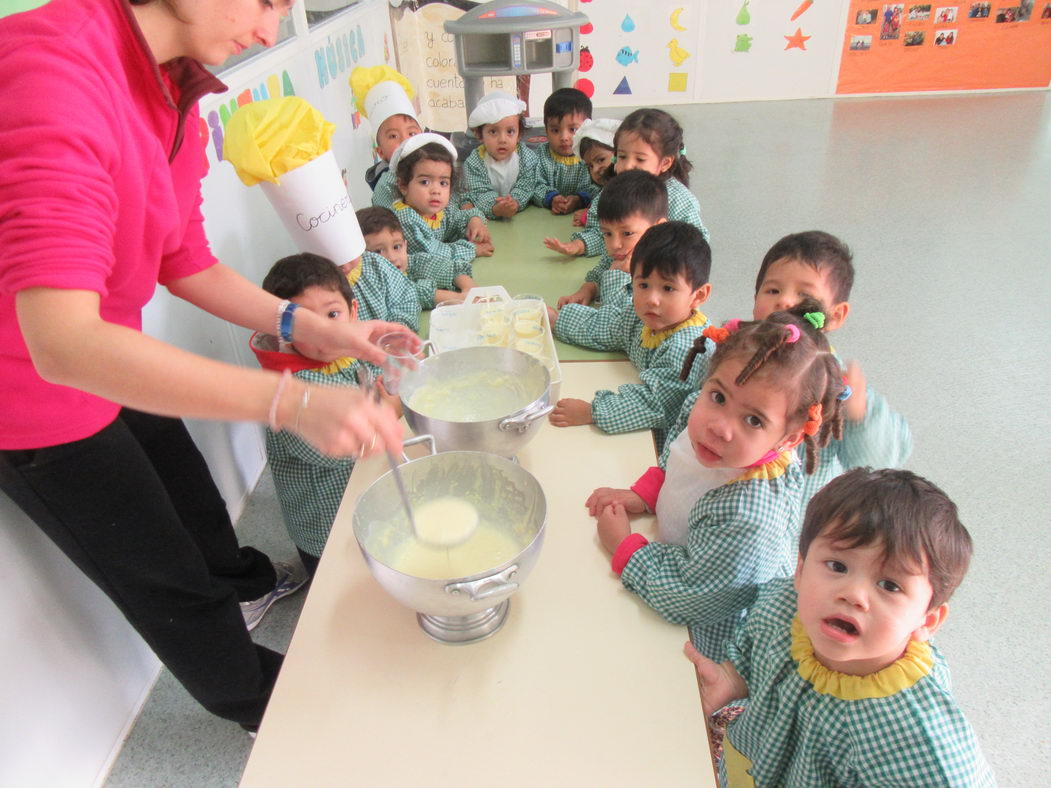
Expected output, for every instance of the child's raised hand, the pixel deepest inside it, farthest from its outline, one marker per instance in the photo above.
(858, 400)
(573, 248)
(477, 231)
(571, 412)
(613, 526)
(580, 218)
(605, 496)
(719, 683)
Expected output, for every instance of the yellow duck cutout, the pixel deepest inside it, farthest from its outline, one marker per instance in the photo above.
(677, 54)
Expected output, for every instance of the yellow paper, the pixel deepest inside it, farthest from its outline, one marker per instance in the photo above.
(676, 82)
(266, 139)
(363, 79)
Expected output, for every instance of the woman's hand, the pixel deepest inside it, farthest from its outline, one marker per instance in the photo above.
(573, 248)
(358, 340)
(341, 421)
(719, 683)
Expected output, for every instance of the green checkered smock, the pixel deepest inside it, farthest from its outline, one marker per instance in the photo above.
(444, 243)
(790, 733)
(682, 207)
(655, 402)
(477, 188)
(429, 273)
(881, 440)
(309, 485)
(386, 192)
(740, 535)
(384, 293)
(567, 175)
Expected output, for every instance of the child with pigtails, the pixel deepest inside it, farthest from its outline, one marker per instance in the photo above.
(728, 489)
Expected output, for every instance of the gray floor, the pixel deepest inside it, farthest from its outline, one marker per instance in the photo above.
(946, 203)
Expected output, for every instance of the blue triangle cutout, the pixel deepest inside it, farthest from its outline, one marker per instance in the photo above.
(623, 89)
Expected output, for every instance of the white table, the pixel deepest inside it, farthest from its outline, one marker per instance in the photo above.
(584, 685)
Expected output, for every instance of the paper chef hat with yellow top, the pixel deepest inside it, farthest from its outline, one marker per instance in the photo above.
(285, 145)
(381, 92)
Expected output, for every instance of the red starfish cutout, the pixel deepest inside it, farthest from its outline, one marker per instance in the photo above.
(797, 40)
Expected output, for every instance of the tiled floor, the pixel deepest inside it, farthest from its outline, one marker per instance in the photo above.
(946, 203)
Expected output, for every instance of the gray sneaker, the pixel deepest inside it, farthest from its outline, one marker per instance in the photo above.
(289, 580)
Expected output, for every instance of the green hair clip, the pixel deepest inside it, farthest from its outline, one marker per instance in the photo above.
(816, 319)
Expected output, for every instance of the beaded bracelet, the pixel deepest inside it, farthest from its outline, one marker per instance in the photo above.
(272, 419)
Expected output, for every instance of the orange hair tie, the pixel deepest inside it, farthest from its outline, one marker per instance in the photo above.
(813, 423)
(716, 334)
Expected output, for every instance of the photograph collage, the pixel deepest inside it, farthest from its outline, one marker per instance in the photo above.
(894, 21)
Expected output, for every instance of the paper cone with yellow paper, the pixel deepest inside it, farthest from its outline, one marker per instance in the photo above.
(381, 92)
(284, 144)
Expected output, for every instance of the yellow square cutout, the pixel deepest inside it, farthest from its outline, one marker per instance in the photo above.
(677, 82)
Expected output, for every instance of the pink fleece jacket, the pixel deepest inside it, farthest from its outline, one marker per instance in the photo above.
(100, 170)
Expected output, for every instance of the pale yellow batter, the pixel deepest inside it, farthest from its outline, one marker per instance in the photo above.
(488, 548)
(478, 396)
(445, 522)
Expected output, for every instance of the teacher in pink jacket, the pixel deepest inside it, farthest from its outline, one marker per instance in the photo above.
(100, 170)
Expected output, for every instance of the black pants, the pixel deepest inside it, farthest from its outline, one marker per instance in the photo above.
(135, 508)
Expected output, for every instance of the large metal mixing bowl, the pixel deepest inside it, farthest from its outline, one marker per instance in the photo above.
(504, 435)
(454, 609)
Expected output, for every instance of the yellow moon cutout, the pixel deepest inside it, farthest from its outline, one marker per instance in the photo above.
(674, 20)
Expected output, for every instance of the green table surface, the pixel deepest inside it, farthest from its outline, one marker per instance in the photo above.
(522, 264)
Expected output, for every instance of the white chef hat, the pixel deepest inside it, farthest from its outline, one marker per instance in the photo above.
(416, 142)
(493, 107)
(601, 130)
(381, 92)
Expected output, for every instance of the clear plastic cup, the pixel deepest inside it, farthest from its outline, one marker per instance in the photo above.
(403, 353)
(529, 306)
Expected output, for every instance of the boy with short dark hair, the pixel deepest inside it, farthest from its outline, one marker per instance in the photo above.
(656, 325)
(563, 181)
(433, 281)
(843, 686)
(819, 265)
(309, 485)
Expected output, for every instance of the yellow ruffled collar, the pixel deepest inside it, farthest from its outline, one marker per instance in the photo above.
(901, 674)
(332, 367)
(355, 275)
(569, 161)
(652, 339)
(434, 222)
(768, 470)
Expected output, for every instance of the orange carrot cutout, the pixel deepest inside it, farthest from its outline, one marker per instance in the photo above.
(801, 10)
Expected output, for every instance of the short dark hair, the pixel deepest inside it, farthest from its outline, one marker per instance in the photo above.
(291, 275)
(587, 143)
(821, 251)
(911, 518)
(431, 151)
(673, 249)
(631, 192)
(376, 219)
(566, 101)
(661, 132)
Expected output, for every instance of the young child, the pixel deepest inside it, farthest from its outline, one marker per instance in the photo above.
(384, 96)
(593, 143)
(818, 265)
(309, 485)
(655, 324)
(434, 282)
(424, 168)
(381, 291)
(500, 174)
(563, 181)
(843, 685)
(727, 492)
(650, 140)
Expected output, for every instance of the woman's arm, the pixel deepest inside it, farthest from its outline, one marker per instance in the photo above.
(226, 294)
(83, 351)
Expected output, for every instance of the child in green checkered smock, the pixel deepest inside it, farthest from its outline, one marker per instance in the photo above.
(819, 265)
(842, 684)
(309, 485)
(382, 291)
(650, 140)
(653, 316)
(727, 499)
(433, 281)
(563, 181)
(424, 169)
(500, 174)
